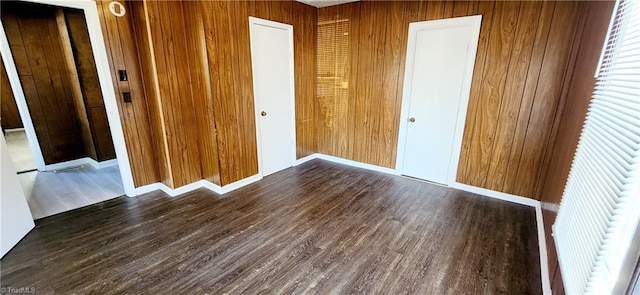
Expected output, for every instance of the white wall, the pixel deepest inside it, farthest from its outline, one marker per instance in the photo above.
(15, 218)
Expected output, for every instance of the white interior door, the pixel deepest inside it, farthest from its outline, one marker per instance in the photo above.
(440, 58)
(15, 218)
(272, 62)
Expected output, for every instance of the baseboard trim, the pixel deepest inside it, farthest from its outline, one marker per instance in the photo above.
(346, 162)
(238, 184)
(305, 159)
(496, 194)
(13, 130)
(542, 249)
(141, 190)
(196, 185)
(103, 164)
(82, 161)
(67, 164)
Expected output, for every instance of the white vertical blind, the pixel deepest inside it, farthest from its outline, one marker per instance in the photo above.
(600, 208)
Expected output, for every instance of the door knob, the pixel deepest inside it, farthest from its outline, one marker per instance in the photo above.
(263, 113)
(412, 119)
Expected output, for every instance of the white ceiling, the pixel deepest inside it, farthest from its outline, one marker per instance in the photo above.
(325, 3)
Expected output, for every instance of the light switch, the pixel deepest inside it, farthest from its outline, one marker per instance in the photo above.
(126, 96)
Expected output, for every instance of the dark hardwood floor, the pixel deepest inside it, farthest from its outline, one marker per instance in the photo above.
(316, 228)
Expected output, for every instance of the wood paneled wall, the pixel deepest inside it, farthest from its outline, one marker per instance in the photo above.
(177, 87)
(234, 102)
(144, 153)
(570, 119)
(196, 67)
(524, 56)
(76, 87)
(189, 66)
(34, 39)
(90, 84)
(9, 114)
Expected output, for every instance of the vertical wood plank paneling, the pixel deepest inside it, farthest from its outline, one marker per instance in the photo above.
(305, 58)
(76, 89)
(224, 111)
(203, 95)
(9, 116)
(554, 67)
(192, 170)
(160, 86)
(123, 55)
(325, 83)
(435, 10)
(216, 66)
(514, 87)
(247, 155)
(65, 133)
(354, 49)
(87, 74)
(101, 134)
(365, 67)
(484, 8)
(460, 8)
(166, 20)
(375, 115)
(533, 75)
(168, 92)
(237, 163)
(83, 56)
(494, 80)
(448, 9)
(148, 85)
(569, 73)
(390, 115)
(341, 73)
(422, 10)
(506, 92)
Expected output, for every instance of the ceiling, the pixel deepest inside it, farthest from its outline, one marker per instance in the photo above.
(325, 3)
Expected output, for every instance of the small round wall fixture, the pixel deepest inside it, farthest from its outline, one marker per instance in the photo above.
(117, 8)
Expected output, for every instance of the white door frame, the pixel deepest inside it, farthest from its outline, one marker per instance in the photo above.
(474, 22)
(106, 84)
(256, 99)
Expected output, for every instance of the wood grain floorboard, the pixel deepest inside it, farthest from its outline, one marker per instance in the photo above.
(50, 193)
(319, 228)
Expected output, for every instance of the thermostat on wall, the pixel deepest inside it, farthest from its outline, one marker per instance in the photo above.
(117, 8)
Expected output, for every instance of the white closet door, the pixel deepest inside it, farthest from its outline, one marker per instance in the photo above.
(438, 63)
(272, 61)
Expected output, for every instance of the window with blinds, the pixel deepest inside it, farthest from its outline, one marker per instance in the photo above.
(600, 208)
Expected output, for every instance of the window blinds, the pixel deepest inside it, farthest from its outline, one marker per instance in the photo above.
(600, 208)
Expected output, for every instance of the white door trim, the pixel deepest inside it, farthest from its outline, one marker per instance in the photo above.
(474, 22)
(106, 84)
(289, 29)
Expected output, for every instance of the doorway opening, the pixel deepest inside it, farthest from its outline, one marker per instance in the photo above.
(56, 126)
